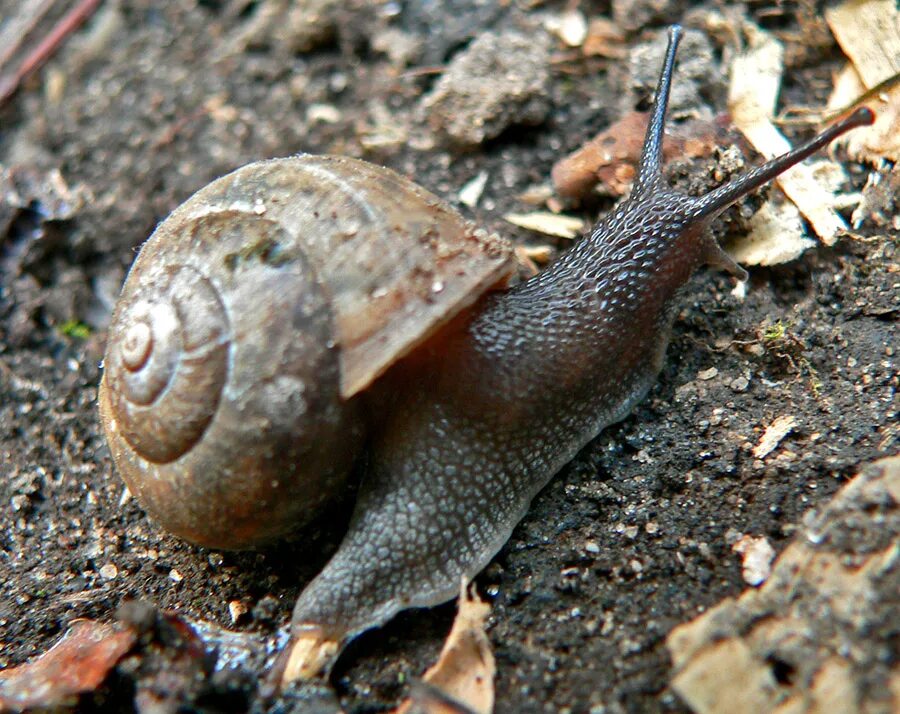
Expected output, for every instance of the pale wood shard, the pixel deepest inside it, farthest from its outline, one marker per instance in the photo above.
(753, 92)
(309, 653)
(550, 224)
(774, 433)
(868, 32)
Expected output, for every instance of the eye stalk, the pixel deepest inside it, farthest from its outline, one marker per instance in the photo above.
(649, 176)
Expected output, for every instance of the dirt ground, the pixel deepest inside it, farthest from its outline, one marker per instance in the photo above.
(150, 101)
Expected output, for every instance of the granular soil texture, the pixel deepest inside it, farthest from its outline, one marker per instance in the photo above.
(149, 101)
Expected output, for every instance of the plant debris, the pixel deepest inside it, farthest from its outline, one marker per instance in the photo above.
(773, 435)
(609, 160)
(464, 673)
(869, 33)
(78, 663)
(755, 85)
(551, 224)
(20, 26)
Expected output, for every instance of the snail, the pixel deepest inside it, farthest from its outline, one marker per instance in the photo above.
(301, 315)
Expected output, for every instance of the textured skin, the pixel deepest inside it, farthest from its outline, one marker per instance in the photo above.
(476, 422)
(479, 421)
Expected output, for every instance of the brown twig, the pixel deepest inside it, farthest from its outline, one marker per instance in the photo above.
(9, 83)
(20, 26)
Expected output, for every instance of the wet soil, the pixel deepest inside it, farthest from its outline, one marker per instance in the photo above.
(151, 100)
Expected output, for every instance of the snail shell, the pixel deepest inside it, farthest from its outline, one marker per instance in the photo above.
(250, 320)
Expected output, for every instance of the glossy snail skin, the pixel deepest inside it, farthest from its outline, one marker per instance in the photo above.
(465, 420)
(479, 420)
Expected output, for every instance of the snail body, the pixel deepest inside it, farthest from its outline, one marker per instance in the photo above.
(468, 411)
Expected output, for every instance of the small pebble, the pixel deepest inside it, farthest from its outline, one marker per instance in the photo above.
(109, 571)
(237, 610)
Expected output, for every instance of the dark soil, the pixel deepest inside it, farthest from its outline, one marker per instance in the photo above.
(144, 106)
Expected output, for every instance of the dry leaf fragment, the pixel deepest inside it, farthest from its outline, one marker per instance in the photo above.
(755, 83)
(773, 435)
(78, 663)
(465, 669)
(776, 236)
(869, 33)
(550, 224)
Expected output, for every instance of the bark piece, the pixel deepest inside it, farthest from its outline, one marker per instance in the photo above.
(78, 663)
(815, 636)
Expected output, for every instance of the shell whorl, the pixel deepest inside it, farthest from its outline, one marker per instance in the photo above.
(250, 321)
(167, 372)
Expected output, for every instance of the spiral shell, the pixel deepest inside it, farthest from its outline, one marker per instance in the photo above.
(172, 360)
(249, 321)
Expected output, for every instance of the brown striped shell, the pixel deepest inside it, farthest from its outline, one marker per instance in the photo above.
(251, 318)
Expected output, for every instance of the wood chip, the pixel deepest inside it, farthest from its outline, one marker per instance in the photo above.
(755, 83)
(532, 257)
(868, 32)
(776, 236)
(538, 253)
(571, 27)
(550, 224)
(774, 433)
(536, 194)
(464, 672)
(236, 609)
(78, 663)
(757, 555)
(470, 194)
